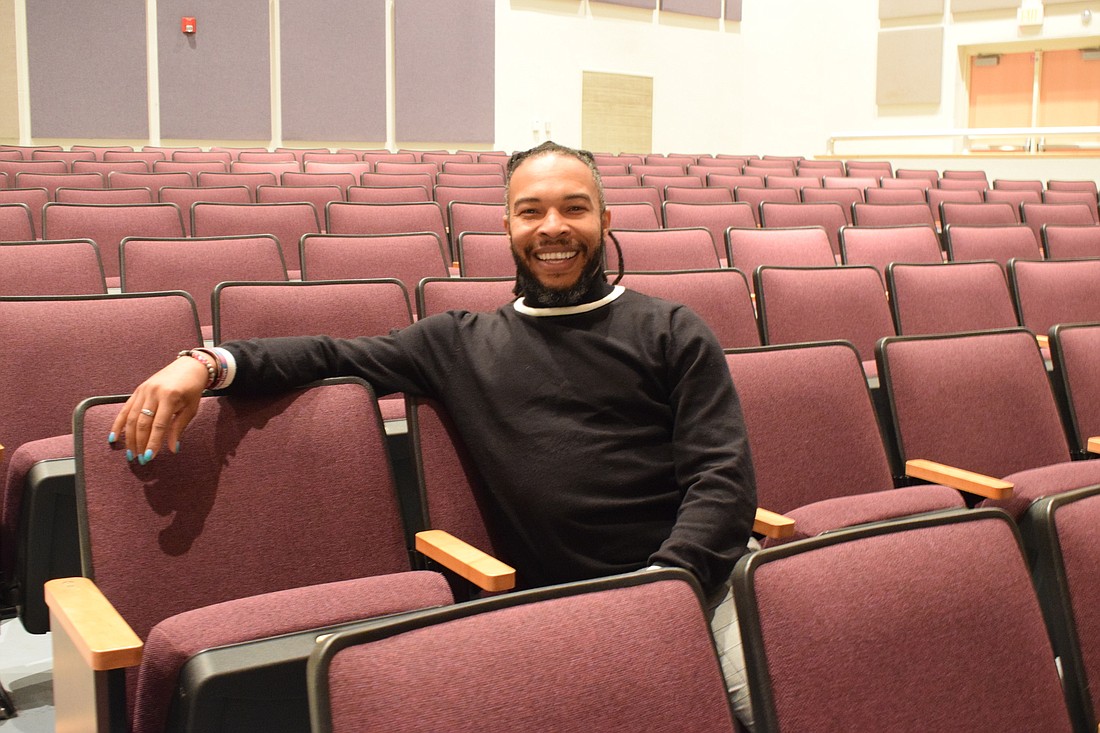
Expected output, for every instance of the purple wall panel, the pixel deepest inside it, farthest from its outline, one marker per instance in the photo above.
(733, 10)
(87, 69)
(445, 60)
(215, 84)
(333, 70)
(705, 8)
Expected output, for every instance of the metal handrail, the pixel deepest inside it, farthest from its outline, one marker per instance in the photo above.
(1034, 137)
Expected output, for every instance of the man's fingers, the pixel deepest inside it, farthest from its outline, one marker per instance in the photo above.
(152, 423)
(159, 409)
(179, 422)
(118, 427)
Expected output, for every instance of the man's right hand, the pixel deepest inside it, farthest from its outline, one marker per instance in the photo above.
(160, 408)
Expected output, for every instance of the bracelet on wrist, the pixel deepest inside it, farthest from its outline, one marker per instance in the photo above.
(201, 356)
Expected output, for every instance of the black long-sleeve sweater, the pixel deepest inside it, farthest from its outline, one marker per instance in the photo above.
(610, 439)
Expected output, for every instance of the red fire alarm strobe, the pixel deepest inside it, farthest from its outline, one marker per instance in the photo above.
(187, 25)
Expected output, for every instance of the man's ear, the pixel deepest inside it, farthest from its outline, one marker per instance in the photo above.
(606, 217)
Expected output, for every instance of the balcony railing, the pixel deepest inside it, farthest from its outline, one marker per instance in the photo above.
(1029, 140)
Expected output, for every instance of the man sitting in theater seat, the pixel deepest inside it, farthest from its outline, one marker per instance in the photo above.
(603, 422)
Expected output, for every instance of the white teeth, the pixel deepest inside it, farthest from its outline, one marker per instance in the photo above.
(544, 256)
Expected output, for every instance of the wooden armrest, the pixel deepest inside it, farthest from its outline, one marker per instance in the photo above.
(773, 525)
(958, 478)
(1043, 340)
(1094, 445)
(480, 568)
(101, 636)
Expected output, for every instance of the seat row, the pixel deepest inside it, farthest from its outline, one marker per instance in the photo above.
(769, 207)
(108, 224)
(1010, 201)
(1065, 287)
(767, 164)
(644, 211)
(705, 245)
(776, 384)
(153, 153)
(833, 216)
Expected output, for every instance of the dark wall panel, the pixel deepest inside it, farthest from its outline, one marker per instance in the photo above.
(733, 10)
(87, 69)
(445, 70)
(333, 69)
(705, 8)
(216, 83)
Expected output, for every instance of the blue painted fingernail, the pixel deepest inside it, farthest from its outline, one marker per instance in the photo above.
(147, 456)
(129, 455)
(177, 448)
(111, 437)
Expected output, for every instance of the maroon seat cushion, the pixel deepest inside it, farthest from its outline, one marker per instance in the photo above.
(174, 640)
(1036, 483)
(847, 511)
(22, 460)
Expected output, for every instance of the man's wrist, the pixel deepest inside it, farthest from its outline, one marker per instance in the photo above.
(219, 363)
(206, 360)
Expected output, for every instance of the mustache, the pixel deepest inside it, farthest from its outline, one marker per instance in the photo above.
(560, 241)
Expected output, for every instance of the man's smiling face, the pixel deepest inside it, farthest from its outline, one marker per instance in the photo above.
(554, 221)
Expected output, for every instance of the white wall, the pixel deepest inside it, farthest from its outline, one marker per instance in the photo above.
(544, 46)
(790, 75)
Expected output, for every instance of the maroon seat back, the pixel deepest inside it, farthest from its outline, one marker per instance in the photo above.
(720, 297)
(832, 643)
(341, 309)
(814, 396)
(384, 195)
(1070, 241)
(799, 304)
(287, 222)
(1055, 291)
(952, 297)
(72, 333)
(155, 538)
(999, 243)
(1075, 353)
(16, 223)
(1060, 532)
(829, 216)
(56, 267)
(475, 294)
(485, 254)
(663, 249)
(108, 224)
(978, 401)
(748, 249)
(879, 246)
(714, 217)
(405, 257)
(646, 638)
(1037, 215)
(196, 264)
(878, 215)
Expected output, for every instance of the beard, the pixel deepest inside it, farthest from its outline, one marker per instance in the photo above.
(538, 295)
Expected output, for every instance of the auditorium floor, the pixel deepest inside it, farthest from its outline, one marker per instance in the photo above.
(25, 669)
